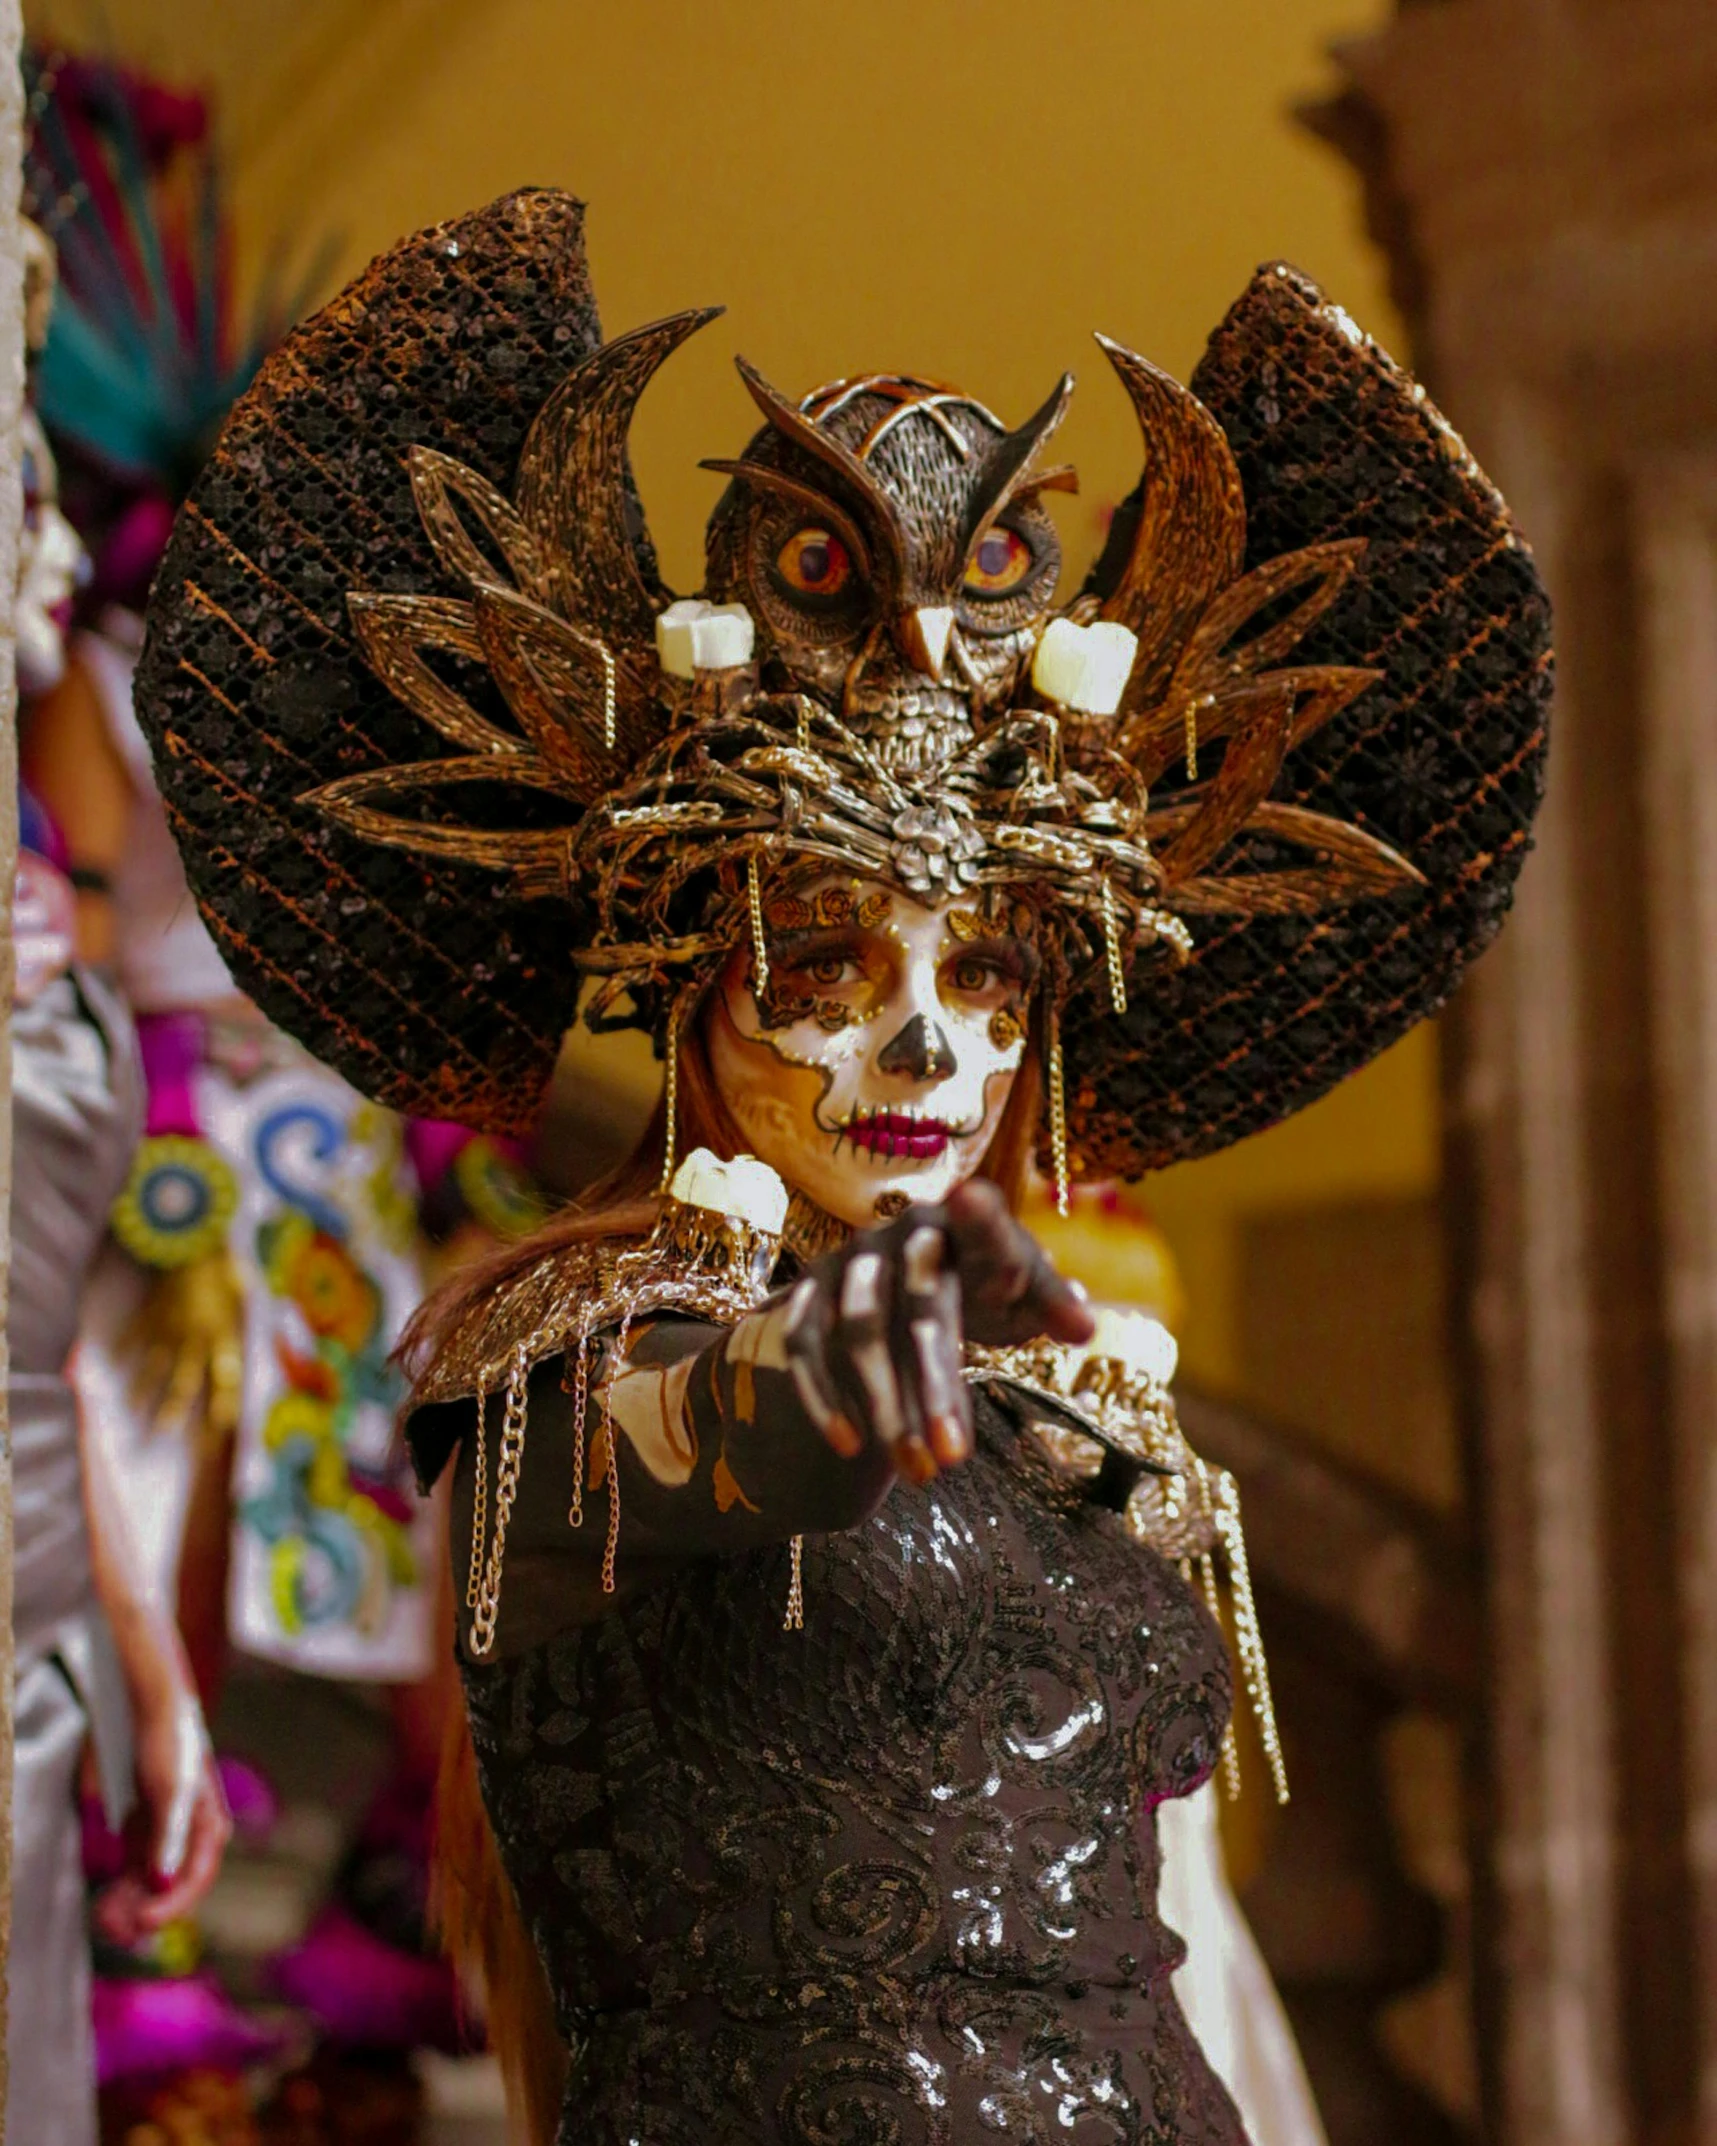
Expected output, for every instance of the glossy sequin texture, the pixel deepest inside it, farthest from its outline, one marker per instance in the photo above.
(886, 1882)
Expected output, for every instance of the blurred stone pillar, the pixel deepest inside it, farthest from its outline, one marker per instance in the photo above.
(1544, 176)
(11, 517)
(1675, 509)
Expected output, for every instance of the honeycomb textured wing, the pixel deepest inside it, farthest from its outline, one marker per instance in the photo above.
(427, 982)
(1441, 758)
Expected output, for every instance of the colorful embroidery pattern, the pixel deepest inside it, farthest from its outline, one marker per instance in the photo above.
(177, 1204)
(331, 1524)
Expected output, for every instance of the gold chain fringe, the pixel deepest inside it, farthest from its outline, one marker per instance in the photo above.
(671, 1109)
(488, 1607)
(1057, 1111)
(479, 1501)
(608, 709)
(1248, 1639)
(759, 945)
(580, 1410)
(795, 1618)
(1230, 1742)
(1112, 951)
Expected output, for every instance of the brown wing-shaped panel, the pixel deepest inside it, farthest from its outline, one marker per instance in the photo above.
(427, 982)
(1439, 759)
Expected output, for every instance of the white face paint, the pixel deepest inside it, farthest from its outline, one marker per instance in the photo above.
(898, 1030)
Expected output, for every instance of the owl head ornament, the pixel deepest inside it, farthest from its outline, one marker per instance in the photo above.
(439, 746)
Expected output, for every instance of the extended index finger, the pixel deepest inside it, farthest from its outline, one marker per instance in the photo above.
(1011, 1289)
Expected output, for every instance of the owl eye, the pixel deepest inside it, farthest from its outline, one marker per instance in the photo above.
(815, 562)
(1001, 562)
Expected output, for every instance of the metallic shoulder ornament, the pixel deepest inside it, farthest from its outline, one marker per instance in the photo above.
(440, 746)
(709, 1256)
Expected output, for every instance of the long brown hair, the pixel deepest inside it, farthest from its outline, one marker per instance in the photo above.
(475, 1907)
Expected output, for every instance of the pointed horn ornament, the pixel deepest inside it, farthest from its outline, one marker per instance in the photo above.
(888, 549)
(1181, 537)
(1010, 461)
(575, 491)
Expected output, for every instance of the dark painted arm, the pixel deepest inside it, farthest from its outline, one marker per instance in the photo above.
(796, 1420)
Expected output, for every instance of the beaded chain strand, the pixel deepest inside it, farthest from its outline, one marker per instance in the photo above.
(611, 1547)
(670, 1111)
(488, 1607)
(580, 1409)
(1230, 1742)
(759, 944)
(1112, 950)
(1057, 1112)
(479, 1501)
(1254, 1669)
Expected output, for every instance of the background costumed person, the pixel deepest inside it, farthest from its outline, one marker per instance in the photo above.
(100, 1678)
(265, 1252)
(913, 874)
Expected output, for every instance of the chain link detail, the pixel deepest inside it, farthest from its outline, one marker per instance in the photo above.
(488, 1606)
(479, 1501)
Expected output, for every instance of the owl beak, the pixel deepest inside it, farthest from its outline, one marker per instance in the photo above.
(921, 635)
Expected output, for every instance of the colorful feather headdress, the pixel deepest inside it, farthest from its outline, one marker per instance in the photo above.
(146, 351)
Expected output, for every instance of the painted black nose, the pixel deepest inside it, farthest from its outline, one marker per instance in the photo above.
(920, 1049)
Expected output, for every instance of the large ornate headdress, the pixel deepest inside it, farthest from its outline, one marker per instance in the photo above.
(439, 747)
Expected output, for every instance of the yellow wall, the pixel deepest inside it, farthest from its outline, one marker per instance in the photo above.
(961, 189)
(966, 190)
(1375, 1138)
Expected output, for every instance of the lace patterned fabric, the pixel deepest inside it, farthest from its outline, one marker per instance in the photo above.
(889, 1881)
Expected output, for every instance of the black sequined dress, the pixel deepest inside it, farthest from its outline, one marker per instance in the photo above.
(888, 1881)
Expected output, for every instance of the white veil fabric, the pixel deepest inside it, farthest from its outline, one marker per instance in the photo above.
(1224, 1988)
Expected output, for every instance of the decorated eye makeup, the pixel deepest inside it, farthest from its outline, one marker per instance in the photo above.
(989, 964)
(820, 960)
(1002, 563)
(814, 562)
(972, 973)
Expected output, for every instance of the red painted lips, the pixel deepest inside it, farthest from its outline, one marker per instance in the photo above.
(893, 1133)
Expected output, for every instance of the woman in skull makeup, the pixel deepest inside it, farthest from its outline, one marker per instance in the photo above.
(834, 1625)
(896, 1034)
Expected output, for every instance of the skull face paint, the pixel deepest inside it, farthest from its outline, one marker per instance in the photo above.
(878, 1066)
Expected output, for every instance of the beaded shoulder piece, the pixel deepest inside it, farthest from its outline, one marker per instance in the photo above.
(684, 1265)
(710, 1255)
(1180, 1505)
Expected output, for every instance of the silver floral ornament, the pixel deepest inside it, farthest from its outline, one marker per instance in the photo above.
(936, 849)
